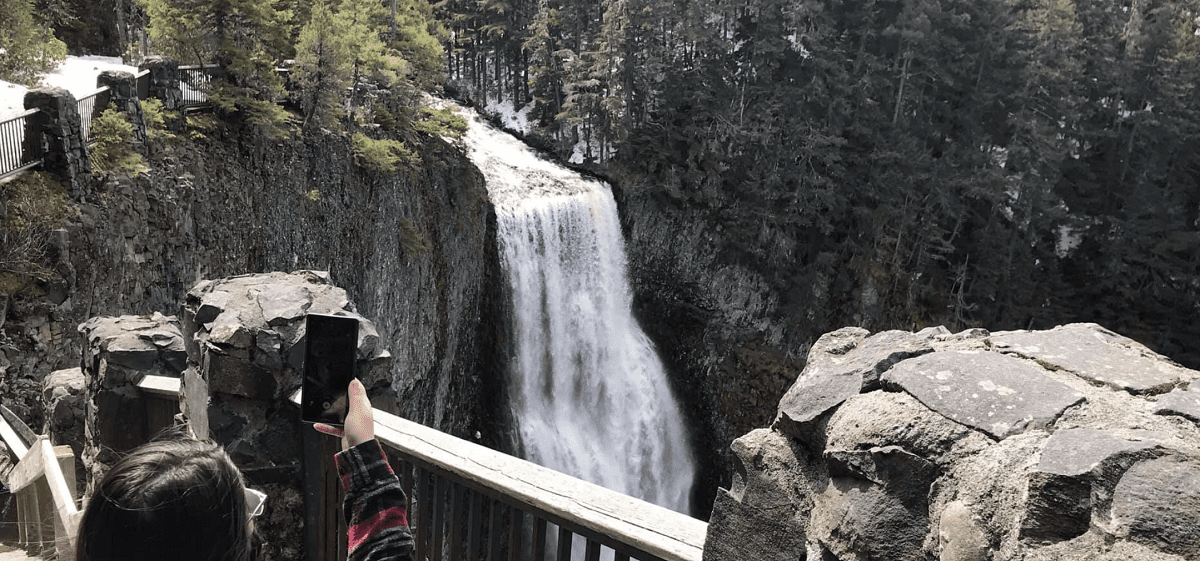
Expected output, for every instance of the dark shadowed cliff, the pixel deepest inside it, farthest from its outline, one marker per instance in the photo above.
(415, 251)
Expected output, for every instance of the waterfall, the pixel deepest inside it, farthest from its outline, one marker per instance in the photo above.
(590, 395)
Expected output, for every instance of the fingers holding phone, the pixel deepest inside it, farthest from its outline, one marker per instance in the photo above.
(359, 426)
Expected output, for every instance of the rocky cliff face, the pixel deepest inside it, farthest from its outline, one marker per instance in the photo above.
(414, 250)
(1068, 444)
(719, 323)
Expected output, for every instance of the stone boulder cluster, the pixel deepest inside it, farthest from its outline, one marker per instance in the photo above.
(1068, 444)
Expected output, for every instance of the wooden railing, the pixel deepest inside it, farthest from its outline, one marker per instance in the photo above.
(471, 503)
(474, 503)
(44, 484)
(44, 479)
(466, 502)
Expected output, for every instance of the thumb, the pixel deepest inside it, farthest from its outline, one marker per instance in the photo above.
(358, 395)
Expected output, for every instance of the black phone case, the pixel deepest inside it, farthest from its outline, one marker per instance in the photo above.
(330, 353)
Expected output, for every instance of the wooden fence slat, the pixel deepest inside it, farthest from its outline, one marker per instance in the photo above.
(516, 534)
(539, 539)
(565, 540)
(495, 530)
(425, 512)
(439, 517)
(593, 551)
(406, 478)
(474, 525)
(457, 518)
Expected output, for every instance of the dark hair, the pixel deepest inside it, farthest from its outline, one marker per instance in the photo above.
(180, 499)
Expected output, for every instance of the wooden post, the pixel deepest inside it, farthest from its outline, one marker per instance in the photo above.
(65, 526)
(324, 528)
(161, 395)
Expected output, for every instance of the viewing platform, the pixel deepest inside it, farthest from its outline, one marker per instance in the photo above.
(466, 501)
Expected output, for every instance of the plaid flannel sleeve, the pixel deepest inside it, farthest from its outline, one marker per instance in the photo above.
(375, 505)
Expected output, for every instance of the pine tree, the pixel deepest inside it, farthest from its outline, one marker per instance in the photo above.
(417, 35)
(242, 39)
(28, 48)
(322, 68)
(360, 23)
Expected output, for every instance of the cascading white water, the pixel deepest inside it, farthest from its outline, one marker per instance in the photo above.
(590, 394)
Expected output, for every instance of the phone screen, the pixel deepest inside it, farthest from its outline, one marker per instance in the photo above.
(330, 353)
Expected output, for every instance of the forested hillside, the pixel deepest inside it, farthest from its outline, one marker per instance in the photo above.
(995, 163)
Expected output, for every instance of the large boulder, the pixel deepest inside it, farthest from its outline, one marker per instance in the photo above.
(245, 339)
(1071, 443)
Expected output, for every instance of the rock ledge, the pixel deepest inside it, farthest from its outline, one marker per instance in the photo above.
(1073, 443)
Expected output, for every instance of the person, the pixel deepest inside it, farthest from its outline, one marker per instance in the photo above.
(182, 499)
(176, 498)
(375, 505)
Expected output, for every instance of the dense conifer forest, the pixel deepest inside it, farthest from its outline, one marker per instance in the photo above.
(995, 163)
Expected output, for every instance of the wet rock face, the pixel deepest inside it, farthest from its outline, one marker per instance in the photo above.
(236, 202)
(970, 447)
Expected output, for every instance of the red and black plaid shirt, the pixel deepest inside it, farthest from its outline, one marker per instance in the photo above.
(375, 505)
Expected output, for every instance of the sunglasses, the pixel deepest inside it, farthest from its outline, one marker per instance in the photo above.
(255, 500)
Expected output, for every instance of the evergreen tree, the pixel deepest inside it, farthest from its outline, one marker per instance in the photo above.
(322, 68)
(28, 48)
(416, 34)
(359, 22)
(243, 39)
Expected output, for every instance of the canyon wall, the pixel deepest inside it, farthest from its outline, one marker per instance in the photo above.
(415, 250)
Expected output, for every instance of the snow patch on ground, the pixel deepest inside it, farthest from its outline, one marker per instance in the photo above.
(77, 74)
(511, 117)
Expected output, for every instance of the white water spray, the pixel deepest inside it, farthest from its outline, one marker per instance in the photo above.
(590, 394)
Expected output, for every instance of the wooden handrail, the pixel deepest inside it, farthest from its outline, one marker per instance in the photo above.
(602, 516)
(620, 520)
(42, 462)
(658, 531)
(11, 440)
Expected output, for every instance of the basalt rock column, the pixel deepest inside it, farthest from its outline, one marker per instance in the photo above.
(976, 446)
(245, 338)
(120, 352)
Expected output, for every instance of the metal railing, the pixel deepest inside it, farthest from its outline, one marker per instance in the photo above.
(193, 82)
(19, 150)
(90, 107)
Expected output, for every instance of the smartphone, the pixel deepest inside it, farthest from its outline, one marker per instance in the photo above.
(330, 354)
